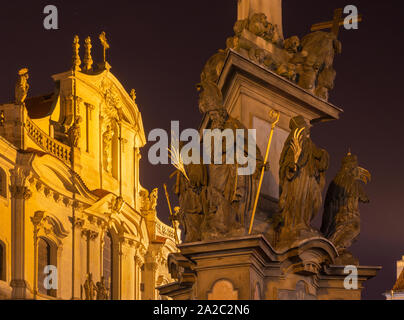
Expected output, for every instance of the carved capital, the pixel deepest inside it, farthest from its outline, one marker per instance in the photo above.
(90, 234)
(77, 222)
(20, 192)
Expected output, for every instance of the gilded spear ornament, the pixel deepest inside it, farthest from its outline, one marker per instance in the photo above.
(275, 115)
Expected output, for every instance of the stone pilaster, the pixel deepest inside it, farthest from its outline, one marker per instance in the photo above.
(20, 193)
(77, 225)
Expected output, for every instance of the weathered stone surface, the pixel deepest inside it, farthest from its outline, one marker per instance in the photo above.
(237, 266)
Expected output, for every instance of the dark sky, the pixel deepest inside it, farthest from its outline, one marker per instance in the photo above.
(160, 47)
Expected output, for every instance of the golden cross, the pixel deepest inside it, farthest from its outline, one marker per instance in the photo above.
(104, 43)
(334, 25)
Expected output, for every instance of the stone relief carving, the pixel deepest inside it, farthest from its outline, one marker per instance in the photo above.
(307, 62)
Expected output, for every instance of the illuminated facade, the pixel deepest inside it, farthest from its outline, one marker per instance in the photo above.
(70, 195)
(397, 293)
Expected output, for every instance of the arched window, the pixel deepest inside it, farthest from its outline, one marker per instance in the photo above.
(107, 267)
(2, 261)
(3, 183)
(45, 257)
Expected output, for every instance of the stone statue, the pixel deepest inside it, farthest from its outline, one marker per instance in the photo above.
(341, 218)
(307, 62)
(107, 148)
(217, 202)
(192, 196)
(102, 291)
(21, 87)
(89, 287)
(117, 204)
(74, 133)
(214, 66)
(317, 56)
(301, 181)
(149, 201)
(153, 199)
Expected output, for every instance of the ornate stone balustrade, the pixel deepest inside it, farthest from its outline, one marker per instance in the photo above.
(47, 143)
(164, 231)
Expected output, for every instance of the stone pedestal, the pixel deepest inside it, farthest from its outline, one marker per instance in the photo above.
(249, 268)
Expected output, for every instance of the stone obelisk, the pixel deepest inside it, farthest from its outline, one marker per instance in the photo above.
(271, 8)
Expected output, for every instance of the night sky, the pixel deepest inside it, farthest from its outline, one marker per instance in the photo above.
(160, 47)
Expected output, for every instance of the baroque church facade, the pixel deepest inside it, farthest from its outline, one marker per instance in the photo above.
(75, 221)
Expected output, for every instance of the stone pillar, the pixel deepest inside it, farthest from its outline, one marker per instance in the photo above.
(117, 269)
(77, 259)
(128, 276)
(139, 262)
(20, 193)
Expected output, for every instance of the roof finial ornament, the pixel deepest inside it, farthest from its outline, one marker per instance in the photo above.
(21, 87)
(105, 45)
(76, 55)
(349, 151)
(88, 60)
(133, 95)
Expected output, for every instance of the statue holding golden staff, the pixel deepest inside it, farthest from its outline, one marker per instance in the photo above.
(301, 181)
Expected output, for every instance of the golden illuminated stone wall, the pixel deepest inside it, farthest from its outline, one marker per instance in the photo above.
(71, 176)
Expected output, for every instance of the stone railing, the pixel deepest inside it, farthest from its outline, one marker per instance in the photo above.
(50, 145)
(164, 231)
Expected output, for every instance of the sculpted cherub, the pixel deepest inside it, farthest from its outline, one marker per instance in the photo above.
(260, 26)
(292, 44)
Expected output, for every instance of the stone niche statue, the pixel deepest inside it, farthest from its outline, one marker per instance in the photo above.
(341, 218)
(216, 202)
(301, 181)
(74, 133)
(107, 148)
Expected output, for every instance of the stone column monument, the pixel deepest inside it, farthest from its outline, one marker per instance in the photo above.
(284, 257)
